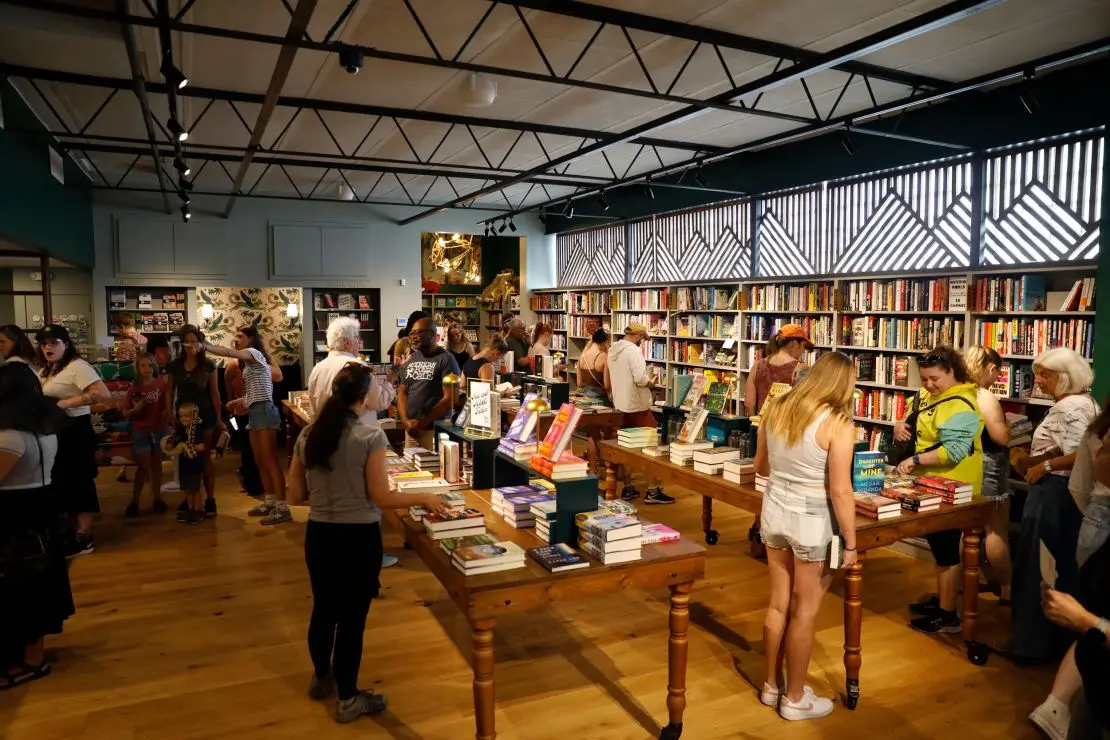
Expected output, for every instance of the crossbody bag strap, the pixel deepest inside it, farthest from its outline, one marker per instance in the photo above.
(938, 403)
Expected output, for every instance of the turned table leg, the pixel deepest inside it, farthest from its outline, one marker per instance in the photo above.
(482, 639)
(707, 520)
(853, 630)
(976, 651)
(610, 481)
(676, 660)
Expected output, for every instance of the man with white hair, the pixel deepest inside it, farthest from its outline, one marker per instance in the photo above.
(518, 343)
(344, 342)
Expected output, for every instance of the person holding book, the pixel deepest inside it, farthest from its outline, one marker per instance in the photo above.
(946, 426)
(805, 447)
(1050, 516)
(483, 366)
(422, 398)
(1089, 485)
(338, 468)
(984, 366)
(626, 373)
(541, 343)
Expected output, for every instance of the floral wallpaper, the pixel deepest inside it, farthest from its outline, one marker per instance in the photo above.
(263, 308)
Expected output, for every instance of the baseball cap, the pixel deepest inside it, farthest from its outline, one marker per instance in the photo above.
(635, 329)
(795, 331)
(50, 332)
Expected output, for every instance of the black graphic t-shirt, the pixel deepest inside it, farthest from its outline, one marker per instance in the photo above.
(423, 376)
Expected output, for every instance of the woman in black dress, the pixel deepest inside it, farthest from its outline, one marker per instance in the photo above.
(35, 598)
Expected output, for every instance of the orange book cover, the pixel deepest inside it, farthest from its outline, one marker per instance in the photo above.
(562, 429)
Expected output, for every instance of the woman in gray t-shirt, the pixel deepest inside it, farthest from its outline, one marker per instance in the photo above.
(339, 468)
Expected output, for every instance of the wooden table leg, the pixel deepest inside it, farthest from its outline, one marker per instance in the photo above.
(676, 660)
(707, 520)
(977, 652)
(610, 481)
(482, 639)
(853, 630)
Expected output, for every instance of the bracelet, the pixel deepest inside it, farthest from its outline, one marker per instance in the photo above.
(917, 459)
(849, 549)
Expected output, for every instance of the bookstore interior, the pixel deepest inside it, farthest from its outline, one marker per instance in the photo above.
(601, 518)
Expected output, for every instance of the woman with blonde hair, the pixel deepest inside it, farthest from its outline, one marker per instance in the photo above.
(806, 442)
(984, 366)
(457, 343)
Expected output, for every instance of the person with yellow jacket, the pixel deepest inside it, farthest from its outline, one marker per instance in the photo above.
(946, 426)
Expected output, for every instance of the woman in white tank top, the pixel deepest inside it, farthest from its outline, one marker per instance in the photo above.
(806, 441)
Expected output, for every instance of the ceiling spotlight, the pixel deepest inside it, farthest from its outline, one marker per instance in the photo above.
(512, 226)
(605, 205)
(179, 164)
(178, 132)
(570, 212)
(502, 227)
(172, 75)
(848, 144)
(478, 90)
(184, 197)
(350, 60)
(185, 215)
(184, 184)
(650, 190)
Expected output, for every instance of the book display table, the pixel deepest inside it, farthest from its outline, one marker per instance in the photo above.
(482, 448)
(486, 598)
(603, 418)
(297, 419)
(870, 534)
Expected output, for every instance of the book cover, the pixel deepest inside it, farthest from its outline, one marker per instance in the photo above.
(680, 386)
(697, 387)
(443, 520)
(1034, 295)
(558, 558)
(692, 427)
(594, 539)
(451, 543)
(716, 397)
(654, 534)
(612, 527)
(524, 423)
(484, 555)
(876, 503)
(868, 471)
(940, 483)
(561, 431)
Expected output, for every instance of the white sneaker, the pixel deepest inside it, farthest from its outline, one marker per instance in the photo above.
(769, 696)
(1052, 717)
(811, 706)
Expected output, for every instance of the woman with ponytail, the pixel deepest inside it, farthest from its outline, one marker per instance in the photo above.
(338, 467)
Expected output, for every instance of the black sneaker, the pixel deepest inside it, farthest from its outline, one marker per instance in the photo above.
(940, 622)
(81, 544)
(182, 514)
(629, 492)
(159, 506)
(210, 507)
(194, 517)
(927, 607)
(183, 506)
(656, 496)
(132, 510)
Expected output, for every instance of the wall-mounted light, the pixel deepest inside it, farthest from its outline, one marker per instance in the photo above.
(206, 311)
(292, 310)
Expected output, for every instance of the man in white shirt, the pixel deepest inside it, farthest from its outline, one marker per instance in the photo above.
(344, 342)
(626, 372)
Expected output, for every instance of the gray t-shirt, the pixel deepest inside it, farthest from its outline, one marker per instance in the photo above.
(28, 472)
(519, 348)
(338, 496)
(423, 377)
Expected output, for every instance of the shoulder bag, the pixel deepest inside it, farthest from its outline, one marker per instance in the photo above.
(899, 451)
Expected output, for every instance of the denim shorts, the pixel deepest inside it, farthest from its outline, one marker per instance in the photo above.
(1095, 529)
(263, 415)
(143, 443)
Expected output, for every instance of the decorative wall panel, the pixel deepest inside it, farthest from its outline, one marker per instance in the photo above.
(903, 221)
(705, 244)
(791, 239)
(593, 257)
(263, 308)
(1044, 205)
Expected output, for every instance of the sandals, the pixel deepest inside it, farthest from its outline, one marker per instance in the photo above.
(22, 673)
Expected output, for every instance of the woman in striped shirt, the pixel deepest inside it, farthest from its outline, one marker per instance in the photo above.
(264, 419)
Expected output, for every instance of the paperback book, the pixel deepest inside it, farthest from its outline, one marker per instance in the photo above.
(558, 558)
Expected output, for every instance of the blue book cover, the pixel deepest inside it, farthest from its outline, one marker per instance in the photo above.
(868, 471)
(1033, 293)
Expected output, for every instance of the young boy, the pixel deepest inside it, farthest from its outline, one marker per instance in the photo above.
(185, 444)
(131, 343)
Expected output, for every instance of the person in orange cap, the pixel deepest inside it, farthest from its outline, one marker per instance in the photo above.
(781, 363)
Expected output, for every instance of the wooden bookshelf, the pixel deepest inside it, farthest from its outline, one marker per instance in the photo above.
(361, 304)
(157, 310)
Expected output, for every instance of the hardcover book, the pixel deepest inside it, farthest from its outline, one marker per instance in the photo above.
(524, 423)
(611, 527)
(477, 556)
(654, 534)
(692, 427)
(868, 471)
(558, 558)
(451, 543)
(562, 429)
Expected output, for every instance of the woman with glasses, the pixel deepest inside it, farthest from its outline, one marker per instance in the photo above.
(945, 417)
(77, 385)
(1050, 516)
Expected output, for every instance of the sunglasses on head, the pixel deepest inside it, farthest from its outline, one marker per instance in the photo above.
(931, 359)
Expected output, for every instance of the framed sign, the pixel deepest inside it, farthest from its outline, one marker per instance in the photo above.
(483, 409)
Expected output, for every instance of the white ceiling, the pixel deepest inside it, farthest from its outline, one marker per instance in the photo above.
(1009, 33)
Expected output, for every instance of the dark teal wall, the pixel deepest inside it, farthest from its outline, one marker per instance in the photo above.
(36, 211)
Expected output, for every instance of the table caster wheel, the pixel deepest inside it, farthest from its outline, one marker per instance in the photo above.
(671, 732)
(711, 537)
(978, 652)
(851, 699)
(407, 545)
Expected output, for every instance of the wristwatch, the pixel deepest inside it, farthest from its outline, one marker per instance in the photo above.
(1047, 464)
(1103, 626)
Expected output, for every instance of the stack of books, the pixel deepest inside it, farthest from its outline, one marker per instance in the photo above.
(682, 453)
(451, 543)
(739, 471)
(760, 484)
(610, 538)
(558, 558)
(543, 515)
(657, 534)
(452, 501)
(498, 495)
(950, 491)
(1021, 430)
(516, 509)
(914, 499)
(877, 507)
(897, 480)
(712, 461)
(638, 437)
(516, 449)
(422, 459)
(566, 467)
(423, 485)
(442, 525)
(475, 560)
(398, 473)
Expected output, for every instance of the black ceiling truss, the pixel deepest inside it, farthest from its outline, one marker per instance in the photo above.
(846, 122)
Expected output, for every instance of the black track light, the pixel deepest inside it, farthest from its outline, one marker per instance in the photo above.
(172, 75)
(185, 215)
(570, 212)
(184, 184)
(848, 144)
(512, 226)
(184, 197)
(179, 133)
(650, 190)
(502, 227)
(182, 169)
(603, 201)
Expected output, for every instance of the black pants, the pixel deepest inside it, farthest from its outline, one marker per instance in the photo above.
(344, 563)
(248, 469)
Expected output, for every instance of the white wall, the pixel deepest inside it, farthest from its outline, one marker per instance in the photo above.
(243, 260)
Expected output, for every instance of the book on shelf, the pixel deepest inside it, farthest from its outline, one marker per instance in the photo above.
(882, 332)
(522, 502)
(694, 390)
(449, 460)
(565, 468)
(716, 397)
(593, 301)
(1031, 337)
(762, 327)
(657, 534)
(704, 326)
(599, 542)
(881, 405)
(544, 510)
(900, 294)
(705, 299)
(558, 558)
(638, 437)
(521, 451)
(776, 297)
(549, 302)
(642, 299)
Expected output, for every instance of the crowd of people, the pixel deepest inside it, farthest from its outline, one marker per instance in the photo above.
(955, 428)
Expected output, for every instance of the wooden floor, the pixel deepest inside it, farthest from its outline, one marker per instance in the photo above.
(199, 632)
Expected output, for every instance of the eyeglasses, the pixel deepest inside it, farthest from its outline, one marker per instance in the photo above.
(47, 342)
